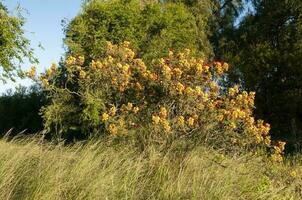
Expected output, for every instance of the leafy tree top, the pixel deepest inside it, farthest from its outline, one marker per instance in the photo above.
(152, 28)
(14, 46)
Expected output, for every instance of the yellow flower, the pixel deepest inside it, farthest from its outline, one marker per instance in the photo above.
(293, 174)
(129, 106)
(198, 90)
(258, 138)
(163, 113)
(199, 68)
(166, 126)
(81, 60)
(239, 97)
(130, 54)
(152, 76)
(267, 140)
(82, 74)
(125, 68)
(32, 72)
(105, 117)
(112, 129)
(212, 85)
(189, 91)
(70, 61)
(177, 72)
(232, 125)
(138, 86)
(53, 67)
(126, 44)
(191, 121)
(225, 66)
(281, 145)
(135, 109)
(220, 118)
(180, 88)
(155, 119)
(180, 121)
(45, 82)
(112, 111)
(206, 68)
(114, 81)
(233, 91)
(277, 157)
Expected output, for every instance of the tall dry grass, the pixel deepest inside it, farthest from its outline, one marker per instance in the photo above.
(32, 170)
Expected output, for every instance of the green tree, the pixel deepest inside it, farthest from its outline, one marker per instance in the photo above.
(19, 111)
(152, 28)
(216, 20)
(266, 55)
(14, 47)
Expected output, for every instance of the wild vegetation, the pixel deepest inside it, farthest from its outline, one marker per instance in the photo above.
(106, 170)
(144, 105)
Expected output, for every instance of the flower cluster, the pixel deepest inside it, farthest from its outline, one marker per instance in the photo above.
(175, 95)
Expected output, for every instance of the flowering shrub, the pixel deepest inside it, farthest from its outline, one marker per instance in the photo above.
(177, 96)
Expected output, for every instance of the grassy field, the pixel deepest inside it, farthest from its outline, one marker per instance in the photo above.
(100, 170)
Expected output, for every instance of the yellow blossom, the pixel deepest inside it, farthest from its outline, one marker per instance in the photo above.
(180, 88)
(163, 113)
(267, 141)
(112, 111)
(177, 72)
(277, 158)
(81, 60)
(232, 125)
(125, 68)
(82, 74)
(138, 86)
(32, 72)
(129, 106)
(191, 121)
(198, 90)
(293, 174)
(155, 119)
(220, 118)
(135, 109)
(70, 60)
(189, 91)
(225, 66)
(180, 121)
(45, 82)
(166, 126)
(112, 129)
(126, 44)
(105, 117)
(199, 68)
(206, 68)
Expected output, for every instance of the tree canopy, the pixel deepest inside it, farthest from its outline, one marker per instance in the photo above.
(14, 46)
(152, 28)
(266, 53)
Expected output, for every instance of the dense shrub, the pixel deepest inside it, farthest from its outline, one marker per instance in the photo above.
(174, 97)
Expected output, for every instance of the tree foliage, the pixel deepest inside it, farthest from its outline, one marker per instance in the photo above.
(152, 28)
(14, 46)
(266, 53)
(20, 110)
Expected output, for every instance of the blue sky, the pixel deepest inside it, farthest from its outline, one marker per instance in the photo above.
(43, 25)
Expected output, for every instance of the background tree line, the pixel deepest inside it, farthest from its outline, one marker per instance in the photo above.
(262, 45)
